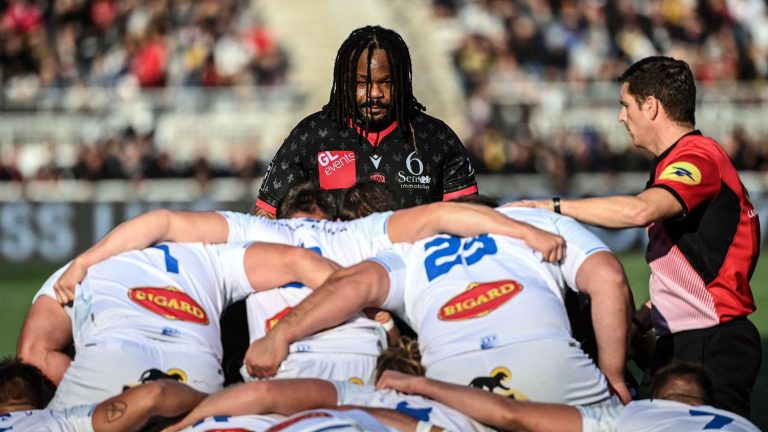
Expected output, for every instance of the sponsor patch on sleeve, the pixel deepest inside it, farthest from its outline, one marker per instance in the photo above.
(683, 172)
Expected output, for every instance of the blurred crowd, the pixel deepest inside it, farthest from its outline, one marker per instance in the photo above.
(161, 44)
(149, 43)
(505, 42)
(67, 45)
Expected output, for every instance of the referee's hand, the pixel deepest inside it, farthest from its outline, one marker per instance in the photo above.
(264, 356)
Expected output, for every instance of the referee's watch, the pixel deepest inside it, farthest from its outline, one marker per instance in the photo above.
(556, 204)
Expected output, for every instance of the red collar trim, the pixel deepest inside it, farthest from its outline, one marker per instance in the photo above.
(375, 137)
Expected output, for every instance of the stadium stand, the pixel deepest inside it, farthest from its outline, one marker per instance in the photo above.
(115, 90)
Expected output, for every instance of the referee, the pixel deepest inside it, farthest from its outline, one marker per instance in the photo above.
(372, 128)
(704, 234)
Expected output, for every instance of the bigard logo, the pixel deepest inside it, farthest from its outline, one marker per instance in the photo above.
(170, 303)
(479, 300)
(272, 322)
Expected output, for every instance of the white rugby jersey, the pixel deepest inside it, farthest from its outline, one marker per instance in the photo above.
(415, 406)
(243, 423)
(467, 294)
(358, 335)
(172, 292)
(306, 421)
(663, 416)
(76, 419)
(346, 242)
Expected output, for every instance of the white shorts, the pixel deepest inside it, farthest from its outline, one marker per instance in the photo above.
(105, 366)
(549, 370)
(357, 368)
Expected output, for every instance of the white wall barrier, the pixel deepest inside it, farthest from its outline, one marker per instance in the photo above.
(57, 231)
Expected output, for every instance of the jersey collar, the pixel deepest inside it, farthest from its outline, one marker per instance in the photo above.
(375, 137)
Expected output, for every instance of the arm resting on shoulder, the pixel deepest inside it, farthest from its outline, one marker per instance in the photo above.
(141, 232)
(618, 211)
(488, 408)
(130, 410)
(469, 220)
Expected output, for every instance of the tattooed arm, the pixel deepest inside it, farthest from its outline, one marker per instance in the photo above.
(131, 410)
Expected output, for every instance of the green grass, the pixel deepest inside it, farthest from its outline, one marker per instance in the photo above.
(20, 282)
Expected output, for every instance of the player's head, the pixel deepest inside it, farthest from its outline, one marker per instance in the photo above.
(364, 198)
(478, 199)
(683, 382)
(402, 357)
(372, 80)
(307, 200)
(668, 80)
(23, 386)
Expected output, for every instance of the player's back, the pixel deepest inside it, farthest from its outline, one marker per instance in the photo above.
(670, 416)
(463, 294)
(172, 292)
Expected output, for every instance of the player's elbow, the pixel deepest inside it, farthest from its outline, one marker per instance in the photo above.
(31, 351)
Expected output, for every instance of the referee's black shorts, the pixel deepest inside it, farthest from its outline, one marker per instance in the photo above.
(731, 352)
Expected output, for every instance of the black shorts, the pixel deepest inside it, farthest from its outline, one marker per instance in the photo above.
(731, 352)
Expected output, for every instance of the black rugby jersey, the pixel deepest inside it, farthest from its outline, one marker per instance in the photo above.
(338, 156)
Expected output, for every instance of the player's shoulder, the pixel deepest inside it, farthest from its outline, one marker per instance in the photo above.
(318, 118)
(423, 120)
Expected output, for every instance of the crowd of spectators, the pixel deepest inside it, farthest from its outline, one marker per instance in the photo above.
(152, 43)
(503, 43)
(156, 44)
(68, 45)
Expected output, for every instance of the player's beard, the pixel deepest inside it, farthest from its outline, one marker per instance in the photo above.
(376, 122)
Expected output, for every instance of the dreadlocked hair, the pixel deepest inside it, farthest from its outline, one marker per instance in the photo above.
(404, 356)
(342, 104)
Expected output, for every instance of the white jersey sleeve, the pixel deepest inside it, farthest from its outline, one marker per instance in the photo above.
(580, 242)
(394, 263)
(231, 258)
(47, 288)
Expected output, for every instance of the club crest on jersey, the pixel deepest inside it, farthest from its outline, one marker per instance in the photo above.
(479, 300)
(378, 177)
(336, 169)
(272, 322)
(683, 172)
(170, 303)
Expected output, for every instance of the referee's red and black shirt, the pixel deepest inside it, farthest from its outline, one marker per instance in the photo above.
(337, 156)
(702, 261)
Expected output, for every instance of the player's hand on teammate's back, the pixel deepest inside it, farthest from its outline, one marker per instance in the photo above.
(264, 356)
(65, 285)
(551, 246)
(399, 381)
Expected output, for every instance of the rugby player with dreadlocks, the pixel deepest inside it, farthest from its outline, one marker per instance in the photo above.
(372, 128)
